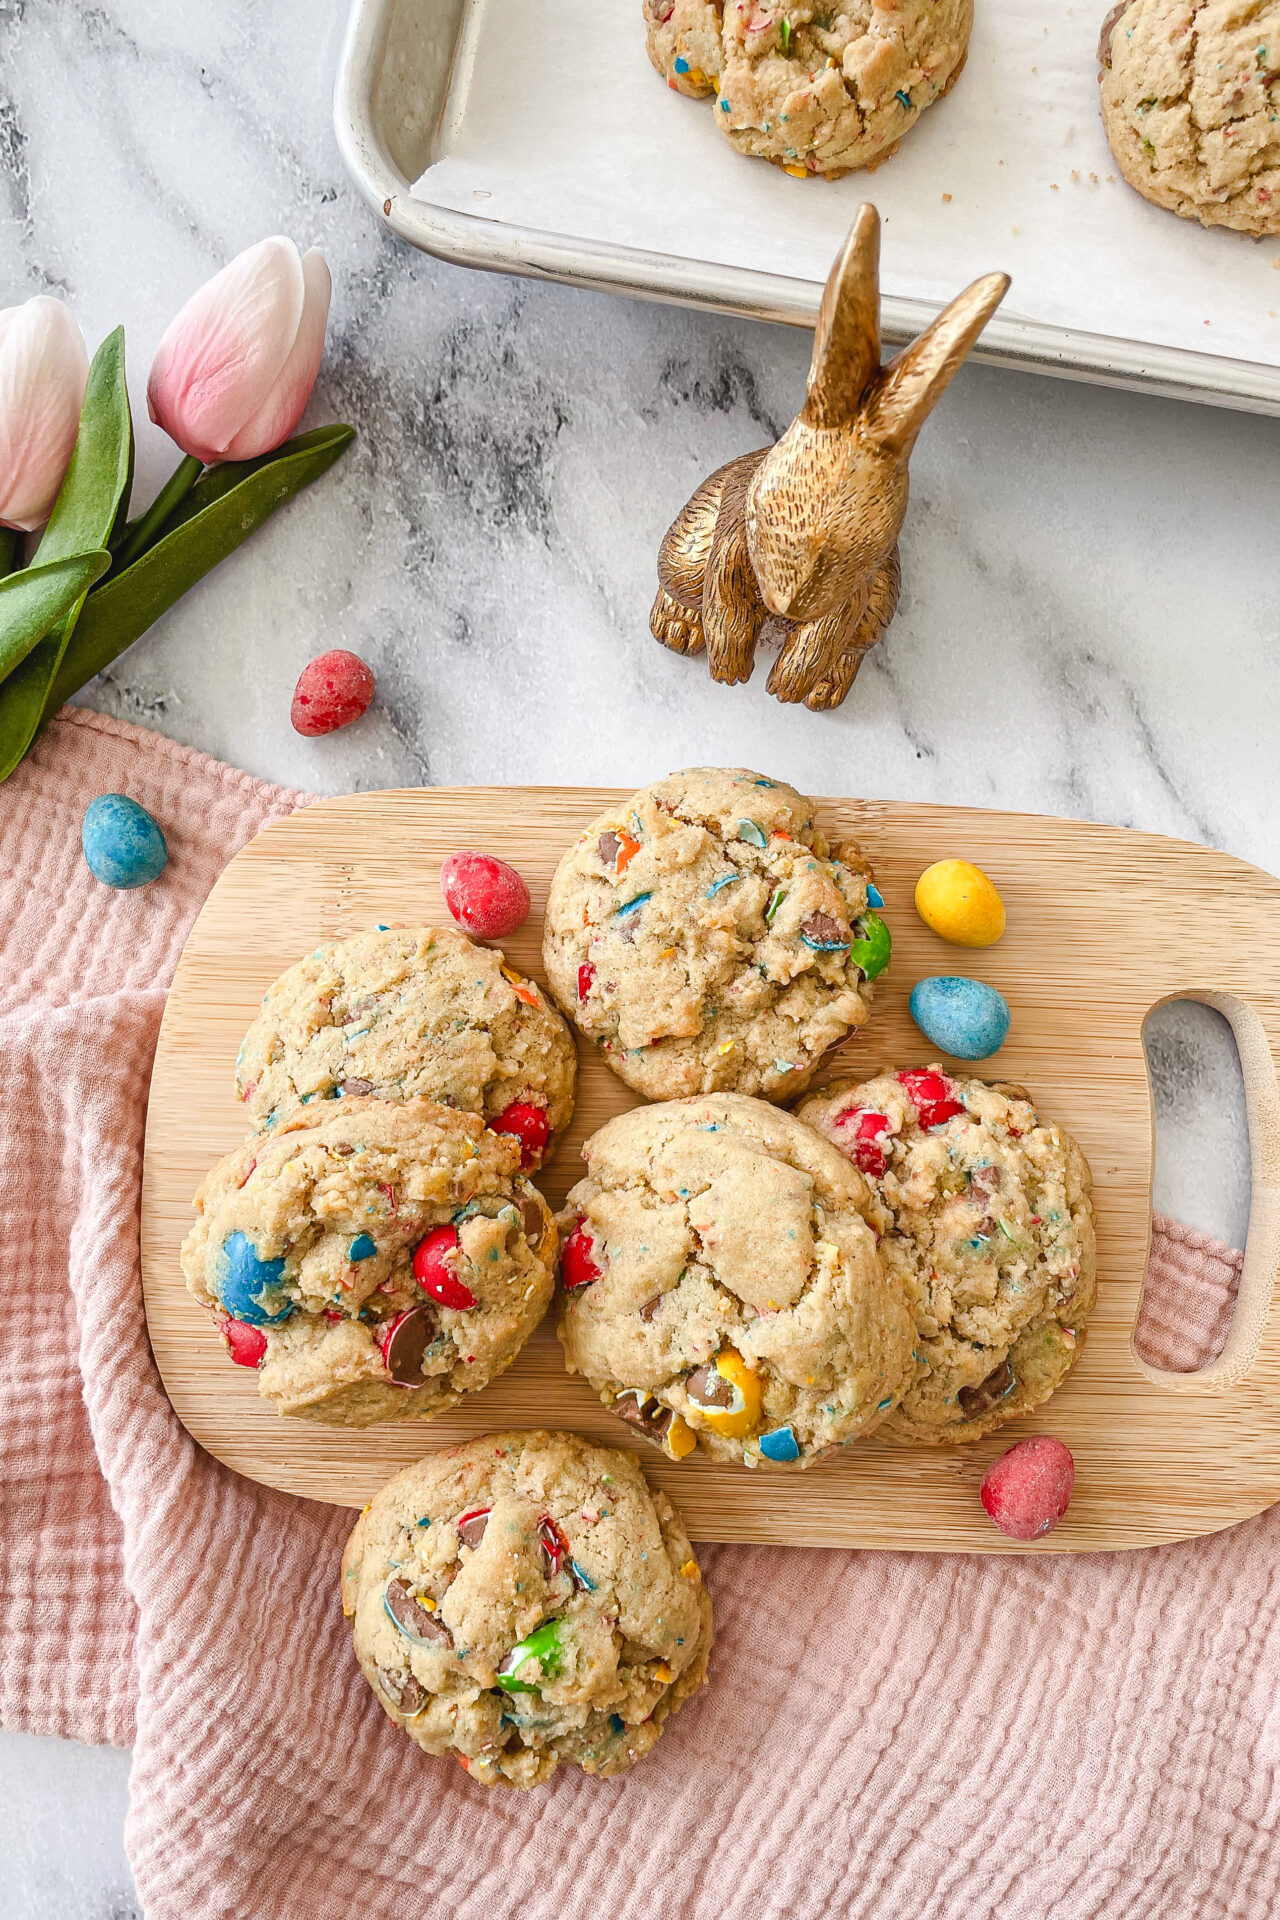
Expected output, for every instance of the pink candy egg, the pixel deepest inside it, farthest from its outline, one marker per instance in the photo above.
(332, 691)
(484, 895)
(1027, 1490)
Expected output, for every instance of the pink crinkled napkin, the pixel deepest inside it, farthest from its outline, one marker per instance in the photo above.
(884, 1733)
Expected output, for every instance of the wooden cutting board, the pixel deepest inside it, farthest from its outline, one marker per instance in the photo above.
(1103, 925)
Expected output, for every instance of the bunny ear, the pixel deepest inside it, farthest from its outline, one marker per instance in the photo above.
(846, 345)
(915, 382)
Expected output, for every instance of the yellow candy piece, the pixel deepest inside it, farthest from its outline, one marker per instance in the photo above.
(797, 173)
(679, 1440)
(742, 1415)
(960, 904)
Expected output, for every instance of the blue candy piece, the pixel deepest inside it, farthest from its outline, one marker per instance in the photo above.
(874, 896)
(249, 1288)
(363, 1247)
(752, 833)
(965, 1018)
(779, 1445)
(682, 66)
(123, 846)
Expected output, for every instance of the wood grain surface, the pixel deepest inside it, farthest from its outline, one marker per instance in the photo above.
(1104, 924)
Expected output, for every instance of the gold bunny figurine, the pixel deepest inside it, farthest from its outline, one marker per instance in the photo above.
(798, 543)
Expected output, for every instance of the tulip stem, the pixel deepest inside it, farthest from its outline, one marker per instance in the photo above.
(10, 551)
(142, 532)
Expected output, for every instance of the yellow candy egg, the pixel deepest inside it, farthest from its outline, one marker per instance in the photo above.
(960, 904)
(680, 1441)
(726, 1396)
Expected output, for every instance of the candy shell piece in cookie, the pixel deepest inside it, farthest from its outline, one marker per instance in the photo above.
(722, 1285)
(1191, 106)
(828, 88)
(682, 38)
(706, 935)
(390, 1255)
(527, 1599)
(405, 1012)
(991, 1235)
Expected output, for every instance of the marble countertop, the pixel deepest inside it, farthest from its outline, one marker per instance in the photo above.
(1090, 620)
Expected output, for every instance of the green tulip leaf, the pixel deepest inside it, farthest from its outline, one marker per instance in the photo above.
(39, 598)
(224, 507)
(93, 496)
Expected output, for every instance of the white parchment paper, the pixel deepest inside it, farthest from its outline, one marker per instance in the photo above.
(556, 120)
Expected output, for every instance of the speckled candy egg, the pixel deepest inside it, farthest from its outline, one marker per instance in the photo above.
(123, 846)
(960, 904)
(965, 1018)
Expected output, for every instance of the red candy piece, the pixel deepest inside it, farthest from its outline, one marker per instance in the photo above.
(332, 691)
(555, 1548)
(1027, 1490)
(932, 1095)
(433, 1272)
(586, 974)
(484, 895)
(530, 1126)
(577, 1265)
(867, 1129)
(246, 1345)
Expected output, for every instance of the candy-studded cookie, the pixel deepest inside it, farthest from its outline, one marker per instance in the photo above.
(706, 935)
(375, 1260)
(683, 42)
(1191, 106)
(722, 1285)
(828, 88)
(991, 1236)
(407, 1012)
(526, 1599)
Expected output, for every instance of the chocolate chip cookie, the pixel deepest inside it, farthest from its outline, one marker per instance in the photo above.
(374, 1261)
(526, 1599)
(990, 1235)
(706, 936)
(412, 1012)
(1191, 106)
(722, 1286)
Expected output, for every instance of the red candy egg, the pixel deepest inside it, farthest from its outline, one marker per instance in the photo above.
(529, 1123)
(577, 1263)
(1027, 1490)
(433, 1271)
(247, 1345)
(932, 1095)
(332, 691)
(867, 1129)
(484, 895)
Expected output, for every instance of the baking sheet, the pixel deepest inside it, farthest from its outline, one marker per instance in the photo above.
(555, 120)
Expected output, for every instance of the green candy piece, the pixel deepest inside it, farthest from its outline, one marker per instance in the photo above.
(545, 1644)
(872, 949)
(779, 895)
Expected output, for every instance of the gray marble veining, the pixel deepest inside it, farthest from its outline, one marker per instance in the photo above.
(1090, 621)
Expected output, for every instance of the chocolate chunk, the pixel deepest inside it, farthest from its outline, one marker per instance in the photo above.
(608, 845)
(412, 1617)
(651, 1307)
(471, 1527)
(643, 1411)
(343, 1148)
(410, 1334)
(975, 1401)
(404, 1690)
(707, 1388)
(357, 1086)
(984, 1181)
(823, 931)
(1109, 26)
(534, 1220)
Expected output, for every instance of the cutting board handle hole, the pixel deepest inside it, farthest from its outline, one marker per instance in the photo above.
(1216, 1117)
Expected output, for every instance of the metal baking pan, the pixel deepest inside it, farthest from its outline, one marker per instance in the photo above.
(421, 89)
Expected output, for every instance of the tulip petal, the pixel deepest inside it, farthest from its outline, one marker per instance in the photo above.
(222, 354)
(276, 419)
(44, 367)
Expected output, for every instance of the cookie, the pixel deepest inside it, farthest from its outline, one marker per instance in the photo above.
(991, 1237)
(706, 936)
(830, 88)
(722, 1286)
(375, 1260)
(526, 1599)
(1191, 106)
(408, 1012)
(683, 42)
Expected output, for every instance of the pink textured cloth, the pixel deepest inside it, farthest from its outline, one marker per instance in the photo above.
(884, 1733)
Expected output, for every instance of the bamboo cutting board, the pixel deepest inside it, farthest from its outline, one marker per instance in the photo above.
(1103, 925)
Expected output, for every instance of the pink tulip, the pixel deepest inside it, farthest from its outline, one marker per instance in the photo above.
(43, 371)
(234, 370)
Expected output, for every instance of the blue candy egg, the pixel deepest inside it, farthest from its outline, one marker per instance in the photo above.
(965, 1018)
(122, 844)
(779, 1445)
(250, 1288)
